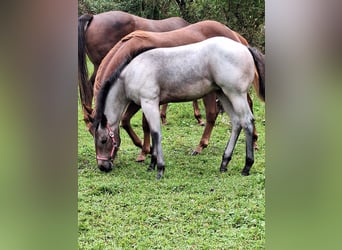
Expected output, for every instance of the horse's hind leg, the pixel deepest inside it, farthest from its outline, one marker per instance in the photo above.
(197, 113)
(241, 117)
(211, 113)
(255, 134)
(163, 113)
(151, 112)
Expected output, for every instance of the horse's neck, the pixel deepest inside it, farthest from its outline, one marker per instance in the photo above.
(116, 103)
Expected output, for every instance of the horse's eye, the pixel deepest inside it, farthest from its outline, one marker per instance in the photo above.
(104, 140)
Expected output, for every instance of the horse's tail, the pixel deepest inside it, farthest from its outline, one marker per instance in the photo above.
(107, 84)
(259, 61)
(241, 39)
(85, 90)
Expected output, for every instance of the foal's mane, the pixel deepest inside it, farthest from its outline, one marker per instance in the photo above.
(107, 84)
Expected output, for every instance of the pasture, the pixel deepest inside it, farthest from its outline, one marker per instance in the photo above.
(194, 206)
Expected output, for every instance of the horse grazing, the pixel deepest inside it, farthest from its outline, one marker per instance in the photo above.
(97, 34)
(139, 40)
(178, 74)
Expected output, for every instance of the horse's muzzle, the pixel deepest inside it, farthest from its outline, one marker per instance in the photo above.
(105, 166)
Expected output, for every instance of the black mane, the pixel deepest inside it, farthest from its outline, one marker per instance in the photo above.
(107, 84)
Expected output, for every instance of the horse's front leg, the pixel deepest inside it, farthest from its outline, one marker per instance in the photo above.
(211, 113)
(126, 123)
(151, 112)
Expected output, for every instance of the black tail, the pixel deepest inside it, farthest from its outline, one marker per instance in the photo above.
(259, 61)
(85, 90)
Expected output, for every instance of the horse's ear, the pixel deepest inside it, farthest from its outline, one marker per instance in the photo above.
(103, 121)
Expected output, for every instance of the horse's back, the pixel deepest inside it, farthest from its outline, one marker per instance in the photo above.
(139, 39)
(203, 66)
(107, 28)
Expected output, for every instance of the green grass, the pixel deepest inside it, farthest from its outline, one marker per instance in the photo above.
(194, 206)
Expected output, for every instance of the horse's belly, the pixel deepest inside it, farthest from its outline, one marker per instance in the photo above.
(185, 91)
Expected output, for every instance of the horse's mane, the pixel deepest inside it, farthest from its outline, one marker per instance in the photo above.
(107, 84)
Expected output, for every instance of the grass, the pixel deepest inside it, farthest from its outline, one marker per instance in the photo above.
(194, 206)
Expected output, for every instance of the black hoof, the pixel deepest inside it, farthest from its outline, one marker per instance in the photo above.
(245, 173)
(194, 153)
(159, 175)
(222, 170)
(150, 168)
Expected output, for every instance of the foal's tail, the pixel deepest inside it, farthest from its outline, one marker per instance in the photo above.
(85, 91)
(259, 61)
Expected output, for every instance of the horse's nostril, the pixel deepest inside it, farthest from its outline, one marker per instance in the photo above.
(102, 168)
(106, 168)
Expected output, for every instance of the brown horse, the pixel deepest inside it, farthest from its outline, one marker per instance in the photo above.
(97, 34)
(139, 40)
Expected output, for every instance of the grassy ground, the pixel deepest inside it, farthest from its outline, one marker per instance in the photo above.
(193, 207)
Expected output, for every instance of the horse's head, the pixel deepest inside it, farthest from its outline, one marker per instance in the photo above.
(107, 144)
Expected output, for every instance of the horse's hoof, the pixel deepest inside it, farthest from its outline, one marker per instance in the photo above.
(195, 152)
(141, 158)
(164, 121)
(222, 170)
(201, 123)
(245, 173)
(159, 175)
(150, 168)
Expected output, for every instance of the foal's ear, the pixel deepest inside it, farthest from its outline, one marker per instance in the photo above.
(103, 121)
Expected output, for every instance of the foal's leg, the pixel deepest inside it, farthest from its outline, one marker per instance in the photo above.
(211, 113)
(241, 117)
(255, 134)
(236, 129)
(151, 111)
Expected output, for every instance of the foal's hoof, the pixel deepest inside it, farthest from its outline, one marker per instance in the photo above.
(222, 170)
(201, 123)
(150, 168)
(245, 173)
(159, 175)
(255, 146)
